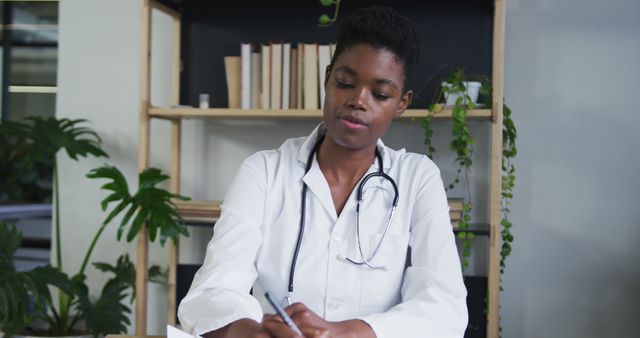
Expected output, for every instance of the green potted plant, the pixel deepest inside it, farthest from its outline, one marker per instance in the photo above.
(76, 311)
(21, 183)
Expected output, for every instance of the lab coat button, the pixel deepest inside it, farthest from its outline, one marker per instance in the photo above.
(338, 238)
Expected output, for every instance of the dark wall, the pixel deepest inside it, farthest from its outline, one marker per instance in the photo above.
(452, 32)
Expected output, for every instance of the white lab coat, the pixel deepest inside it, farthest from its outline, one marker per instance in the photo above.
(254, 240)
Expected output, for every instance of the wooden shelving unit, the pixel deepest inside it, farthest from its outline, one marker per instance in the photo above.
(211, 212)
(283, 114)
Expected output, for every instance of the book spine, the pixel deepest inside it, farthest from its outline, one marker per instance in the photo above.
(293, 82)
(276, 76)
(300, 84)
(265, 90)
(255, 79)
(245, 54)
(310, 76)
(286, 73)
(232, 72)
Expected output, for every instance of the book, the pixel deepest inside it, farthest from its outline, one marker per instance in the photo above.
(245, 75)
(245, 72)
(265, 87)
(286, 74)
(456, 204)
(256, 65)
(324, 58)
(232, 72)
(310, 77)
(299, 74)
(276, 75)
(293, 80)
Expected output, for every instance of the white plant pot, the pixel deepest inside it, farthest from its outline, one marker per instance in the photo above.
(472, 89)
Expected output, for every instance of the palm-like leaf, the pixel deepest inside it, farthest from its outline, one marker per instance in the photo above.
(19, 289)
(124, 271)
(106, 315)
(48, 135)
(149, 204)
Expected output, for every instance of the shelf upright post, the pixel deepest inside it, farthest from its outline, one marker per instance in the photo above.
(493, 327)
(142, 248)
(176, 148)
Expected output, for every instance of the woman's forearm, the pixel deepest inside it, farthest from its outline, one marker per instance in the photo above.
(241, 328)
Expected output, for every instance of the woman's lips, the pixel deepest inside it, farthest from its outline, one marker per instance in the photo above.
(352, 123)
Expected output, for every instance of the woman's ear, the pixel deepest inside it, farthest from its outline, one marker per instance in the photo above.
(404, 103)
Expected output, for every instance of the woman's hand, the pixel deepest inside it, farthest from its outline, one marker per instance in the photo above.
(274, 325)
(313, 326)
(277, 328)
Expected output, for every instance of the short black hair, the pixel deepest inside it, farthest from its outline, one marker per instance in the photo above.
(382, 28)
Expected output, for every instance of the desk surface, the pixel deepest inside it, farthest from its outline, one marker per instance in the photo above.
(125, 336)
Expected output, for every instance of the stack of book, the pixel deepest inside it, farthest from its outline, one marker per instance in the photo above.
(201, 211)
(455, 210)
(278, 75)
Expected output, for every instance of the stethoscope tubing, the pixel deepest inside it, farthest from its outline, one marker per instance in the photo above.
(359, 193)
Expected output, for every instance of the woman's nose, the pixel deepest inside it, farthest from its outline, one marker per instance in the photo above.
(358, 100)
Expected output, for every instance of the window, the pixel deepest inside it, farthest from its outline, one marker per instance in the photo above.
(29, 58)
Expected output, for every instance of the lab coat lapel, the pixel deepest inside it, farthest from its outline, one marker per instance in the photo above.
(317, 183)
(319, 188)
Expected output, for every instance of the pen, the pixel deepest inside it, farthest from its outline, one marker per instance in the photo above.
(283, 314)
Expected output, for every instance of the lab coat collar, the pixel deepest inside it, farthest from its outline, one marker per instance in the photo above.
(321, 130)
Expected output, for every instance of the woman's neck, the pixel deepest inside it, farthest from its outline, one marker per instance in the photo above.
(344, 164)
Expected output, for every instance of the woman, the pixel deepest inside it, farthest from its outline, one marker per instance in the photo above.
(349, 276)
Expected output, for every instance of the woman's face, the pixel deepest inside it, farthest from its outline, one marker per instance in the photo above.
(364, 92)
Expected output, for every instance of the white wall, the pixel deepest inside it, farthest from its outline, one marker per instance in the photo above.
(97, 80)
(572, 80)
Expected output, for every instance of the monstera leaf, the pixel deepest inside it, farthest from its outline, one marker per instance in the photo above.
(150, 204)
(125, 273)
(48, 135)
(18, 290)
(108, 313)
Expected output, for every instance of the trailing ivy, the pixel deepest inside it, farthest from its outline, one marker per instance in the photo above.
(461, 145)
(509, 151)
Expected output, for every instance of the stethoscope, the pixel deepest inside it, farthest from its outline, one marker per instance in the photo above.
(365, 261)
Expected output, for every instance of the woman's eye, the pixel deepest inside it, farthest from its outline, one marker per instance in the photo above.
(343, 84)
(381, 97)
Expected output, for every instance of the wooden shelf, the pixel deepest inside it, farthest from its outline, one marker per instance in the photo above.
(297, 114)
(206, 213)
(199, 211)
(198, 56)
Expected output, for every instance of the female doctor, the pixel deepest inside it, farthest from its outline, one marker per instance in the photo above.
(324, 223)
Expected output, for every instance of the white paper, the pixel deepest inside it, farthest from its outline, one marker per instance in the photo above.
(173, 332)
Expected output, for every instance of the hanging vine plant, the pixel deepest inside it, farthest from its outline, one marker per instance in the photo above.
(509, 152)
(462, 146)
(324, 20)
